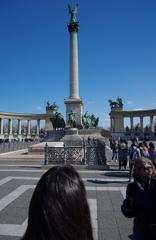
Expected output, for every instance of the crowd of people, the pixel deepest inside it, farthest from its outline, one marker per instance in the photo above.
(140, 200)
(124, 154)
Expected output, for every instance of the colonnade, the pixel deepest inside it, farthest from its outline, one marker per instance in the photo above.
(151, 123)
(10, 117)
(19, 129)
(117, 120)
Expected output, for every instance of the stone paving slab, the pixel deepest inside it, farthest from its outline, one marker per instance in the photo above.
(105, 189)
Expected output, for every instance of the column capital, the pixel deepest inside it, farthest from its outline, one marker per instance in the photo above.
(73, 27)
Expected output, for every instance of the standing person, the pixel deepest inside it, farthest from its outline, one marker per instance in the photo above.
(132, 156)
(114, 150)
(145, 149)
(140, 201)
(152, 153)
(111, 139)
(122, 153)
(59, 209)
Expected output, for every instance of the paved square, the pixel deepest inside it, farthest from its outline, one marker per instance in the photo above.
(105, 195)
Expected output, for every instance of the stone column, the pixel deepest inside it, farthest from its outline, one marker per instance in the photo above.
(74, 102)
(1, 128)
(111, 124)
(141, 123)
(74, 86)
(131, 124)
(151, 124)
(19, 129)
(10, 130)
(38, 128)
(29, 129)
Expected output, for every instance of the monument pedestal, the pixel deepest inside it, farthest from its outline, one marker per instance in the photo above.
(72, 138)
(74, 105)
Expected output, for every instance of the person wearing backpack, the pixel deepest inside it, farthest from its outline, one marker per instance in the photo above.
(133, 155)
(140, 201)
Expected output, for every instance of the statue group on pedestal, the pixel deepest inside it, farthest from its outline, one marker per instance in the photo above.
(53, 107)
(72, 119)
(89, 120)
(116, 104)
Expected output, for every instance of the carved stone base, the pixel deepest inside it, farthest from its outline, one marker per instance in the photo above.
(74, 105)
(72, 138)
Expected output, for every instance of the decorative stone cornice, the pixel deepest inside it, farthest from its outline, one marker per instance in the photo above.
(135, 113)
(26, 116)
(73, 101)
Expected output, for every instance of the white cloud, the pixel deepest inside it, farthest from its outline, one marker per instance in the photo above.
(130, 102)
(89, 102)
(105, 121)
(138, 109)
(38, 108)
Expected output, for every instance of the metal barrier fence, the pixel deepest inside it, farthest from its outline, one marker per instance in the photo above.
(78, 155)
(14, 146)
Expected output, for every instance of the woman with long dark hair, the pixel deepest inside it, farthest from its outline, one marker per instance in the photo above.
(59, 209)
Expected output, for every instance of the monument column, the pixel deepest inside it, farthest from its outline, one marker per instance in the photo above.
(74, 102)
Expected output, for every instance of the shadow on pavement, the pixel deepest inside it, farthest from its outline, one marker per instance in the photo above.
(116, 174)
(105, 181)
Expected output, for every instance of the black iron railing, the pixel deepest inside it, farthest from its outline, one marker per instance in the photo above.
(77, 155)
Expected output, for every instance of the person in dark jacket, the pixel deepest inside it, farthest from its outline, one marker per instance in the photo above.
(140, 201)
(152, 153)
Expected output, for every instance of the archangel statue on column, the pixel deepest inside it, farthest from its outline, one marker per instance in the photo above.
(72, 13)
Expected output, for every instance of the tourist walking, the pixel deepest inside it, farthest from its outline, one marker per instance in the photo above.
(133, 155)
(152, 153)
(122, 153)
(114, 150)
(145, 149)
(59, 209)
(140, 201)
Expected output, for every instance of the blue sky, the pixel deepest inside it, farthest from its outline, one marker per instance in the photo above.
(117, 54)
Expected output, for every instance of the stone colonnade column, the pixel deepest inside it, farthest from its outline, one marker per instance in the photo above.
(19, 129)
(131, 124)
(38, 128)
(29, 129)
(151, 123)
(10, 130)
(1, 128)
(112, 123)
(141, 123)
